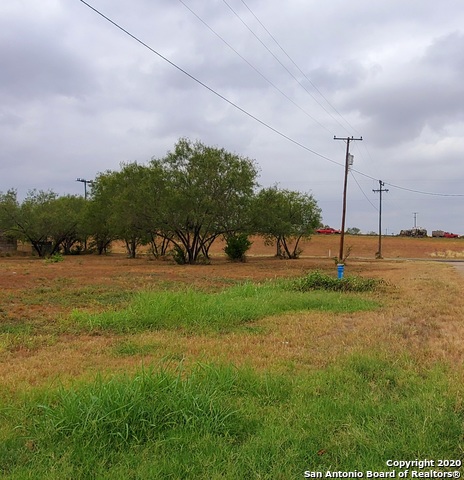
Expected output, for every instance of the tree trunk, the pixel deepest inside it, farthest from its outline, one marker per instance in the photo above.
(131, 247)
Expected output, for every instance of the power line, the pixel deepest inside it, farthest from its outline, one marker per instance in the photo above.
(421, 192)
(280, 63)
(332, 106)
(425, 193)
(362, 191)
(307, 78)
(195, 79)
(252, 66)
(250, 115)
(300, 70)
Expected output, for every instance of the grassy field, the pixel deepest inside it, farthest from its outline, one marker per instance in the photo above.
(118, 368)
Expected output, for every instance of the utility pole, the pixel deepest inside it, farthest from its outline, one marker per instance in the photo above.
(347, 165)
(85, 182)
(415, 219)
(380, 190)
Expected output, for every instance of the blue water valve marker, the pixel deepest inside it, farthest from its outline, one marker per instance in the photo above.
(340, 270)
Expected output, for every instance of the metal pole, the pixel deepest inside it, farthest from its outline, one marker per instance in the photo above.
(85, 182)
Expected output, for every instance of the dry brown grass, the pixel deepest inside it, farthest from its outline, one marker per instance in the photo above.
(422, 314)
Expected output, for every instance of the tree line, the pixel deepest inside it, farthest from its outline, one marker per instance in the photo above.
(179, 204)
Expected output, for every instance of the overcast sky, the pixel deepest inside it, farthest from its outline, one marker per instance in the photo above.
(78, 96)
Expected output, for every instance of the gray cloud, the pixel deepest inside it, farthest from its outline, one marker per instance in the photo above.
(36, 66)
(78, 96)
(415, 94)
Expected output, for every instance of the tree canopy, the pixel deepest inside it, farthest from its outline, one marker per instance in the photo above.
(284, 217)
(183, 201)
(207, 194)
(45, 220)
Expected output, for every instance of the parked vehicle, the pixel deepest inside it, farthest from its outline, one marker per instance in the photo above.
(414, 232)
(442, 234)
(327, 231)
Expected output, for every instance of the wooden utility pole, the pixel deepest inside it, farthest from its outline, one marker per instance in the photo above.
(380, 190)
(341, 257)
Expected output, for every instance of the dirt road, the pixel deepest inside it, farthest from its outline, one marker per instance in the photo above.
(459, 266)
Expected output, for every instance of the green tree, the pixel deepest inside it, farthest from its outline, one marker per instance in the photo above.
(45, 220)
(66, 215)
(96, 219)
(206, 194)
(127, 205)
(9, 208)
(126, 219)
(284, 217)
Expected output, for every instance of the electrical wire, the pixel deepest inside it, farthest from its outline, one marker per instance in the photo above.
(362, 191)
(250, 115)
(300, 70)
(424, 193)
(280, 63)
(222, 97)
(252, 66)
(352, 128)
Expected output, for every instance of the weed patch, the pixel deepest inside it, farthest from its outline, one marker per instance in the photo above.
(321, 281)
(55, 258)
(197, 311)
(224, 422)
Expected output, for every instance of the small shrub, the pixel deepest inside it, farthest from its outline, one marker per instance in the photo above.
(237, 246)
(55, 258)
(320, 281)
(179, 255)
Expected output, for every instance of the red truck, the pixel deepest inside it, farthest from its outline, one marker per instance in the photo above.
(442, 234)
(327, 231)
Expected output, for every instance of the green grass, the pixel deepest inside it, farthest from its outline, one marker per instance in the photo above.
(194, 310)
(71, 295)
(127, 348)
(23, 336)
(220, 422)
